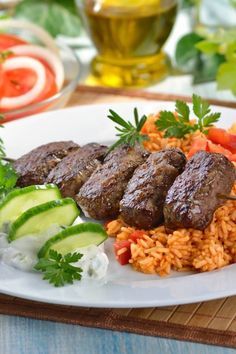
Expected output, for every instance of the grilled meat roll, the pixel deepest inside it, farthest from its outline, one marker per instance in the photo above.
(142, 203)
(100, 196)
(195, 194)
(75, 169)
(34, 167)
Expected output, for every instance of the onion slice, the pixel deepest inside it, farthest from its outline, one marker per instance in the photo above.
(44, 54)
(39, 32)
(27, 98)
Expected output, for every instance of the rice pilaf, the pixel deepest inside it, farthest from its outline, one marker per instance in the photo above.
(157, 252)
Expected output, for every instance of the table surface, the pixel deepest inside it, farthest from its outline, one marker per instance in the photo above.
(27, 336)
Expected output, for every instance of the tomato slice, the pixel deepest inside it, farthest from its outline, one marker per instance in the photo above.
(124, 257)
(2, 82)
(222, 137)
(221, 150)
(197, 145)
(9, 40)
(17, 82)
(136, 235)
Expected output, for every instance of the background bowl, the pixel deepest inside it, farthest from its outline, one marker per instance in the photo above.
(72, 71)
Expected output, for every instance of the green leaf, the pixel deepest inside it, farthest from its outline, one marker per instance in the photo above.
(136, 116)
(166, 118)
(208, 46)
(200, 106)
(230, 54)
(117, 119)
(180, 125)
(172, 126)
(187, 3)
(2, 149)
(8, 178)
(57, 17)
(206, 68)
(226, 77)
(183, 110)
(186, 52)
(58, 269)
(73, 257)
(141, 123)
(128, 133)
(211, 118)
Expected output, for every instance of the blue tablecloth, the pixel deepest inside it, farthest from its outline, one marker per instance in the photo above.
(26, 336)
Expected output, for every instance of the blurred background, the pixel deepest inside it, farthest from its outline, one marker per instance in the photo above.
(167, 46)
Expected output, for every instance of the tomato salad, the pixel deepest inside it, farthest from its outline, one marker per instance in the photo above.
(29, 73)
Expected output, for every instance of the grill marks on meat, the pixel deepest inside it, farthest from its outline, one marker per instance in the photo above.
(100, 196)
(75, 169)
(194, 196)
(34, 167)
(142, 203)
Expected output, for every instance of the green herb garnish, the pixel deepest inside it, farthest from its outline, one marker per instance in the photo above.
(8, 175)
(2, 149)
(58, 270)
(8, 178)
(179, 124)
(128, 133)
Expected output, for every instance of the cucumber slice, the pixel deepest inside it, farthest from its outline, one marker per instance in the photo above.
(74, 237)
(20, 200)
(38, 219)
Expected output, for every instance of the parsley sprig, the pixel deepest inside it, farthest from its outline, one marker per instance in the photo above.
(179, 124)
(8, 175)
(128, 133)
(2, 149)
(8, 178)
(58, 269)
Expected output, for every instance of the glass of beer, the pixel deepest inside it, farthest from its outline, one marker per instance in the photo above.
(129, 36)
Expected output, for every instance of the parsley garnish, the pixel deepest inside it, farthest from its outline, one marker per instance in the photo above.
(128, 133)
(58, 270)
(8, 178)
(179, 124)
(2, 149)
(8, 175)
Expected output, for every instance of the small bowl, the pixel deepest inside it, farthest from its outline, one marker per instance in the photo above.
(72, 70)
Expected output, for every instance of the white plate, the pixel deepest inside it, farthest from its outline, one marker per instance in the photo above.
(124, 287)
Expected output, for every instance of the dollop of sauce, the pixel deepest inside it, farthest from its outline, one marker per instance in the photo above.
(94, 262)
(22, 254)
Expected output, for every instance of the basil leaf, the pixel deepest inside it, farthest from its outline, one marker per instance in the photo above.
(208, 46)
(206, 68)
(186, 52)
(51, 15)
(226, 77)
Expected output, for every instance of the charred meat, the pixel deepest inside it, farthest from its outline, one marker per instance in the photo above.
(100, 196)
(142, 203)
(75, 169)
(34, 167)
(195, 194)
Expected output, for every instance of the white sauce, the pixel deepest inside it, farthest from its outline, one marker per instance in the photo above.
(22, 254)
(94, 262)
